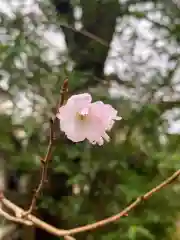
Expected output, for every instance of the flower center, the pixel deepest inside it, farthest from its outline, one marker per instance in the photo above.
(82, 115)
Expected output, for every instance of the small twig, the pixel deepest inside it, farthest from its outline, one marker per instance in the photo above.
(47, 158)
(86, 34)
(65, 233)
(63, 94)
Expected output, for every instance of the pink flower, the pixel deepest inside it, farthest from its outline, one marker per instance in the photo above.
(80, 119)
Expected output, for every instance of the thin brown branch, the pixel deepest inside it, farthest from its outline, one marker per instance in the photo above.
(47, 158)
(127, 209)
(63, 94)
(65, 233)
(87, 34)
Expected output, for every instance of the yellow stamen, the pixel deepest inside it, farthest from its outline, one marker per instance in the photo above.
(81, 117)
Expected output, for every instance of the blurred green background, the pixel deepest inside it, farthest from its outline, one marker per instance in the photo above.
(125, 53)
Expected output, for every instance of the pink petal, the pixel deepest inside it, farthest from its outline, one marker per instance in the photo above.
(74, 104)
(73, 130)
(80, 101)
(64, 112)
(106, 113)
(95, 131)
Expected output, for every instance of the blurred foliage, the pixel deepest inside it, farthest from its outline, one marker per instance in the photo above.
(40, 45)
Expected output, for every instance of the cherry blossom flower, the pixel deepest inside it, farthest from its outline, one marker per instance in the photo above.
(81, 119)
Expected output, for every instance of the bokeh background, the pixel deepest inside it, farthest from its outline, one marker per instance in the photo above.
(126, 53)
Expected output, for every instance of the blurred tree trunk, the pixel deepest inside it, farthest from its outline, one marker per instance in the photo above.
(89, 55)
